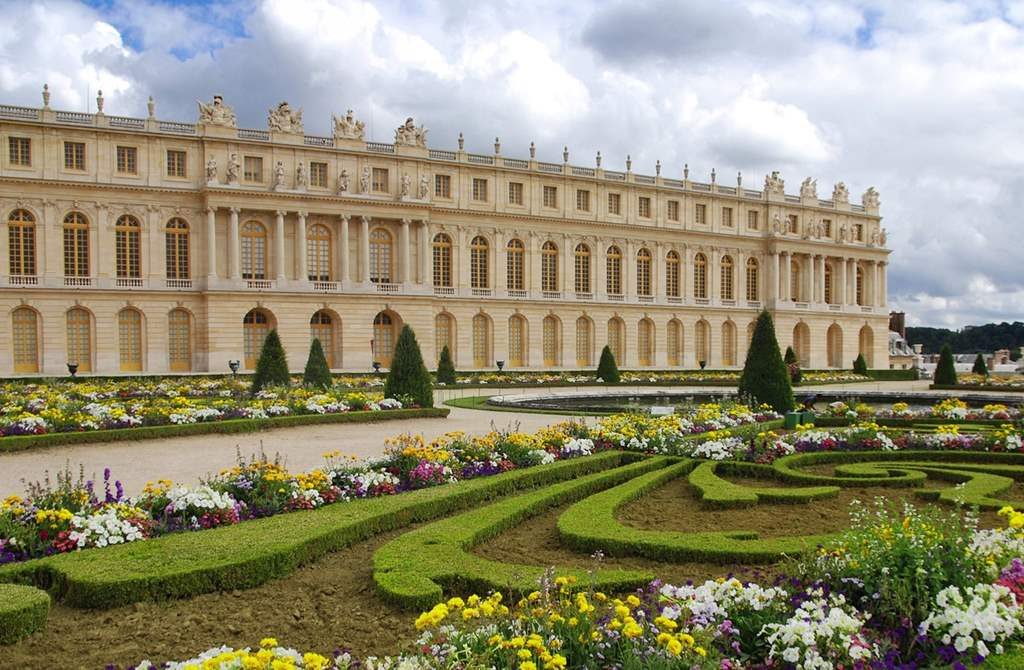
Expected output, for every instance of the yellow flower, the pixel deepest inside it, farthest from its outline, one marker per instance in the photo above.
(268, 642)
(527, 665)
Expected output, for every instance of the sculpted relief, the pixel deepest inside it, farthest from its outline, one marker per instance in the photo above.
(410, 135)
(774, 183)
(870, 198)
(840, 194)
(284, 120)
(809, 188)
(216, 113)
(347, 127)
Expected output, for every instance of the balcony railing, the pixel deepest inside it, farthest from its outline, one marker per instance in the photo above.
(259, 284)
(702, 301)
(584, 296)
(387, 288)
(801, 305)
(22, 280)
(645, 298)
(754, 304)
(128, 282)
(178, 283)
(441, 155)
(317, 141)
(444, 291)
(380, 147)
(517, 293)
(835, 308)
(481, 292)
(253, 134)
(325, 286)
(675, 300)
(616, 297)
(551, 295)
(78, 281)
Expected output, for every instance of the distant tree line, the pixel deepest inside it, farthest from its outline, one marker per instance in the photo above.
(971, 339)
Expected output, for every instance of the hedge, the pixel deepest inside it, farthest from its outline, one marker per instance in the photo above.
(228, 427)
(715, 491)
(23, 611)
(183, 565)
(976, 387)
(786, 468)
(974, 487)
(413, 570)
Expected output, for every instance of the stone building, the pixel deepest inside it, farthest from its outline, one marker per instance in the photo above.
(143, 245)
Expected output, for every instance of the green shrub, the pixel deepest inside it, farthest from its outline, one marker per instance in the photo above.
(790, 356)
(272, 367)
(445, 368)
(23, 611)
(765, 378)
(408, 376)
(860, 365)
(979, 366)
(945, 371)
(607, 370)
(317, 374)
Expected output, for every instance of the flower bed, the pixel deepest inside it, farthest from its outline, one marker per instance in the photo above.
(949, 409)
(975, 382)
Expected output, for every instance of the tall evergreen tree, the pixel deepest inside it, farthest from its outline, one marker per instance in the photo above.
(860, 365)
(317, 373)
(272, 366)
(445, 367)
(408, 378)
(945, 371)
(607, 370)
(790, 356)
(765, 378)
(979, 366)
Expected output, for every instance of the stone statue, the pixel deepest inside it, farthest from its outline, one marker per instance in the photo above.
(777, 224)
(840, 194)
(278, 177)
(347, 128)
(211, 170)
(300, 175)
(364, 180)
(424, 187)
(343, 181)
(809, 188)
(284, 120)
(875, 238)
(217, 113)
(774, 184)
(406, 183)
(842, 233)
(870, 198)
(882, 236)
(233, 167)
(410, 135)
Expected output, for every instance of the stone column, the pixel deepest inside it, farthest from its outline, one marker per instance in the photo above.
(851, 272)
(403, 243)
(300, 242)
(211, 242)
(822, 262)
(883, 288)
(809, 276)
(364, 250)
(500, 278)
(234, 250)
(532, 265)
(784, 281)
(600, 269)
(424, 252)
(344, 272)
(460, 260)
(629, 278)
(875, 284)
(772, 281)
(840, 290)
(658, 282)
(279, 245)
(567, 266)
(714, 277)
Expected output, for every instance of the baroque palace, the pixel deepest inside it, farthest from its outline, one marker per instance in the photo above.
(142, 245)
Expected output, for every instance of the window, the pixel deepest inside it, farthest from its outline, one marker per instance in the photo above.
(795, 284)
(550, 196)
(480, 191)
(728, 344)
(752, 220)
(858, 232)
(442, 186)
(481, 341)
(21, 242)
(826, 224)
(582, 269)
(255, 327)
(127, 247)
(129, 340)
(515, 192)
(442, 247)
(127, 160)
(549, 267)
(614, 203)
(643, 272)
(443, 329)
(517, 341)
(479, 263)
(254, 251)
(176, 248)
(700, 277)
(380, 257)
(700, 215)
(828, 283)
(175, 163)
(76, 245)
(25, 332)
(253, 169)
(383, 339)
(675, 343)
(318, 174)
(645, 342)
(74, 156)
(752, 279)
(379, 181)
(549, 341)
(318, 253)
(583, 342)
(644, 207)
(792, 223)
(702, 342)
(727, 278)
(672, 274)
(673, 210)
(727, 217)
(613, 271)
(321, 327)
(514, 256)
(79, 337)
(179, 340)
(617, 339)
(582, 200)
(19, 151)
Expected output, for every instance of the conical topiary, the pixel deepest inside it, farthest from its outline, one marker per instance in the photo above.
(445, 367)
(979, 366)
(860, 365)
(765, 378)
(408, 379)
(272, 367)
(317, 373)
(790, 356)
(945, 371)
(607, 370)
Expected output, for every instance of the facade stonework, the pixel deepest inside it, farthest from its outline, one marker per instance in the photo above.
(141, 245)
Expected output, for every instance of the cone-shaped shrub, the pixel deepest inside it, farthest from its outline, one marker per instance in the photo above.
(790, 356)
(317, 373)
(860, 365)
(272, 367)
(979, 366)
(408, 379)
(765, 378)
(945, 371)
(607, 370)
(445, 367)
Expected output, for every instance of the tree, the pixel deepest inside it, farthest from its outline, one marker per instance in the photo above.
(979, 366)
(317, 373)
(408, 379)
(790, 356)
(860, 365)
(792, 366)
(445, 367)
(272, 367)
(765, 378)
(945, 371)
(607, 370)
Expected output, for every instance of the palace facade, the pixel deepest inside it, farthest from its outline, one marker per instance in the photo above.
(139, 245)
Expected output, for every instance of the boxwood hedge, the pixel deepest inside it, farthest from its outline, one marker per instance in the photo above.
(23, 611)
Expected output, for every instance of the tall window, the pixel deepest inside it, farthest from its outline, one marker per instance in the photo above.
(701, 214)
(828, 283)
(179, 340)
(380, 256)
(645, 342)
(672, 274)
(675, 343)
(751, 220)
(550, 196)
(25, 340)
(613, 271)
(19, 151)
(727, 278)
(384, 339)
(727, 217)
(793, 223)
(252, 169)
(643, 272)
(551, 344)
(515, 192)
(254, 251)
(728, 344)
(76, 245)
(321, 327)
(795, 283)
(442, 260)
(379, 180)
(673, 210)
(176, 249)
(479, 263)
(617, 339)
(127, 232)
(480, 190)
(827, 225)
(644, 207)
(129, 340)
(21, 241)
(255, 327)
(175, 163)
(859, 289)
(582, 200)
(858, 232)
(614, 203)
(443, 331)
(443, 186)
(514, 255)
(318, 253)
(74, 156)
(700, 276)
(753, 276)
(582, 268)
(517, 341)
(549, 267)
(79, 336)
(318, 174)
(702, 342)
(127, 160)
(584, 339)
(481, 341)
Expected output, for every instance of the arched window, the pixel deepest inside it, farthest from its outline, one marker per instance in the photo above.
(321, 327)
(700, 276)
(584, 342)
(795, 285)
(860, 285)
(702, 342)
(675, 342)
(728, 344)
(727, 276)
(79, 335)
(128, 247)
(866, 345)
(552, 342)
(179, 340)
(254, 251)
(481, 341)
(517, 342)
(828, 283)
(255, 327)
(318, 253)
(444, 329)
(549, 267)
(613, 276)
(21, 240)
(834, 338)
(617, 339)
(643, 273)
(76, 246)
(672, 275)
(129, 339)
(380, 258)
(384, 337)
(582, 269)
(802, 344)
(442, 260)
(645, 342)
(479, 263)
(753, 289)
(514, 255)
(176, 249)
(25, 336)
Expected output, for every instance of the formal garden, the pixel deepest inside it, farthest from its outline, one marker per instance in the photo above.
(715, 537)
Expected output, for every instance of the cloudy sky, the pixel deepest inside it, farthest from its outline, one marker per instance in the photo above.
(922, 99)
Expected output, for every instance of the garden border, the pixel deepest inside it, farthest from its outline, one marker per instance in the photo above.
(23, 611)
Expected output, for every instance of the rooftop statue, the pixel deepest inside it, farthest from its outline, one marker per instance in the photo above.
(347, 128)
(217, 113)
(774, 184)
(284, 120)
(809, 188)
(840, 194)
(870, 198)
(410, 135)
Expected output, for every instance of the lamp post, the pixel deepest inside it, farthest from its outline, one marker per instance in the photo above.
(702, 363)
(376, 367)
(73, 369)
(500, 364)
